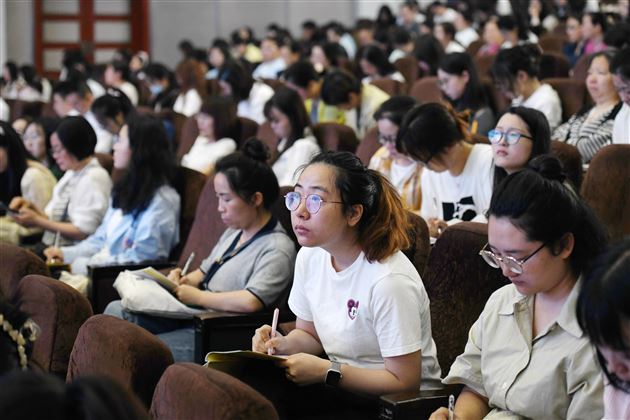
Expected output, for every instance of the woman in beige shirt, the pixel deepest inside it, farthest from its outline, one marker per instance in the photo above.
(526, 355)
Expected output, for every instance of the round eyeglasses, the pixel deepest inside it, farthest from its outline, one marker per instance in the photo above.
(313, 202)
(512, 264)
(511, 137)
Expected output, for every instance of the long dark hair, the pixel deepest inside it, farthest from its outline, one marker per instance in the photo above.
(377, 57)
(16, 163)
(473, 97)
(383, 228)
(538, 128)
(538, 203)
(290, 104)
(152, 165)
(520, 58)
(602, 306)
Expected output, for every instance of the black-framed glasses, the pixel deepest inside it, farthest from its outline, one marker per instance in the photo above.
(514, 265)
(313, 201)
(511, 137)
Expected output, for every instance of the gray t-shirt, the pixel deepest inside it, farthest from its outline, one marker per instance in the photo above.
(264, 267)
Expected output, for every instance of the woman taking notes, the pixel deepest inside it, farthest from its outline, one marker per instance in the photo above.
(356, 296)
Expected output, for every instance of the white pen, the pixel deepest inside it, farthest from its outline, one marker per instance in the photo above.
(451, 407)
(274, 327)
(57, 237)
(187, 265)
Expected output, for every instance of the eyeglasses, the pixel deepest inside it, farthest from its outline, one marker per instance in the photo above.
(511, 137)
(383, 139)
(512, 264)
(313, 202)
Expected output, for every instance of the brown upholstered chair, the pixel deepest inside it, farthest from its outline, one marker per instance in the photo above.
(16, 263)
(606, 189)
(458, 282)
(178, 123)
(580, 68)
(572, 94)
(106, 161)
(203, 234)
(390, 86)
(571, 160)
(120, 350)
(552, 42)
(553, 64)
(189, 391)
(59, 310)
(368, 146)
(426, 90)
(483, 64)
(249, 128)
(33, 109)
(186, 138)
(408, 67)
(267, 136)
(336, 137)
(474, 46)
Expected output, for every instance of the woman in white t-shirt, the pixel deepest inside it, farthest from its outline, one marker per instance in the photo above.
(515, 72)
(457, 180)
(355, 294)
(291, 124)
(191, 80)
(217, 123)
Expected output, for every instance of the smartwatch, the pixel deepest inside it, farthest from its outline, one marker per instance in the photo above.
(333, 375)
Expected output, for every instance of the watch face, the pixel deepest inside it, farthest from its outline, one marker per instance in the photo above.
(333, 377)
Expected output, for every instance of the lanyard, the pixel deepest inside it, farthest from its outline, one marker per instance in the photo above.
(231, 251)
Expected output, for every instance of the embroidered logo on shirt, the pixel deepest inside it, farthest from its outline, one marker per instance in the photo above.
(353, 308)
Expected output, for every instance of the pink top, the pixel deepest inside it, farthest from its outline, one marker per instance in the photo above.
(593, 46)
(616, 403)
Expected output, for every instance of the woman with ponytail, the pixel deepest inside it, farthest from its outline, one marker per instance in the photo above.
(526, 355)
(355, 294)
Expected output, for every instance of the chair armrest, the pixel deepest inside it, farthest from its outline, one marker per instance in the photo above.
(101, 290)
(415, 404)
(224, 331)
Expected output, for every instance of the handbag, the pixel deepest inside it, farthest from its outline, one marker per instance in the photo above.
(147, 296)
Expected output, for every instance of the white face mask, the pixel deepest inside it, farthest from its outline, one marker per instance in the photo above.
(156, 89)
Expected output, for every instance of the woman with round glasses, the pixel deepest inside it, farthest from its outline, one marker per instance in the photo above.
(521, 134)
(457, 181)
(356, 296)
(250, 267)
(403, 172)
(526, 355)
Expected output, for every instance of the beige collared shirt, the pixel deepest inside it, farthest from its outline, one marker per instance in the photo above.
(552, 376)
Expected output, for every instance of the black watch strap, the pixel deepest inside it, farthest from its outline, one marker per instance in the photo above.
(333, 375)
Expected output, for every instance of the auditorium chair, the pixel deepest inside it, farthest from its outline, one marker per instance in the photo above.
(580, 68)
(190, 391)
(16, 263)
(33, 109)
(571, 160)
(553, 64)
(190, 186)
(59, 310)
(390, 86)
(426, 90)
(474, 47)
(106, 161)
(128, 354)
(483, 64)
(266, 135)
(606, 189)
(458, 282)
(408, 67)
(368, 146)
(572, 94)
(551, 42)
(336, 137)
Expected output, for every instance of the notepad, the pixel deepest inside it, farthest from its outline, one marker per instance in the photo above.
(235, 355)
(151, 273)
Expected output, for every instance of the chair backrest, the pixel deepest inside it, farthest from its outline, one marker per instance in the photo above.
(418, 252)
(206, 228)
(552, 42)
(571, 160)
(572, 94)
(426, 90)
(368, 146)
(336, 137)
(390, 86)
(267, 136)
(458, 282)
(553, 64)
(188, 133)
(178, 123)
(189, 184)
(496, 100)
(16, 263)
(249, 128)
(606, 188)
(483, 64)
(580, 68)
(474, 46)
(106, 161)
(189, 391)
(59, 310)
(123, 351)
(408, 67)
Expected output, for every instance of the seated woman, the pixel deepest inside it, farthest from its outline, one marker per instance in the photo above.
(250, 96)
(81, 196)
(521, 134)
(356, 296)
(604, 316)
(515, 73)
(457, 181)
(20, 176)
(403, 172)
(142, 221)
(117, 75)
(218, 126)
(191, 80)
(290, 123)
(591, 128)
(251, 265)
(526, 356)
(375, 65)
(460, 85)
(36, 140)
(327, 56)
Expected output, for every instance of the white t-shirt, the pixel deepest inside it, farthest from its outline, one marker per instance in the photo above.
(546, 100)
(254, 107)
(104, 139)
(269, 69)
(465, 197)
(300, 153)
(454, 47)
(466, 36)
(131, 92)
(188, 103)
(621, 129)
(4, 110)
(205, 153)
(366, 312)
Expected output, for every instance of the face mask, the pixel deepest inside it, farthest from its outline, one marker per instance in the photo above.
(155, 89)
